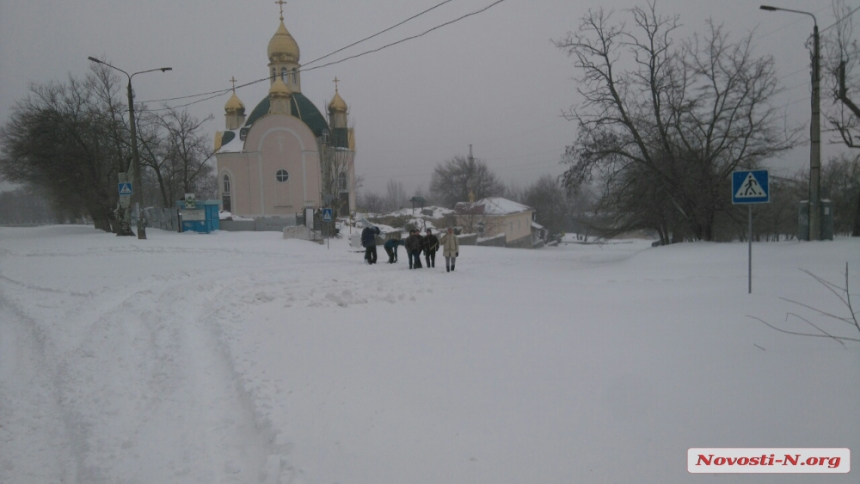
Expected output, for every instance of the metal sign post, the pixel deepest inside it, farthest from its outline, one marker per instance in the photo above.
(327, 219)
(748, 188)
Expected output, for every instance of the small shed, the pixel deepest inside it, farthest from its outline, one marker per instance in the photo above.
(493, 216)
(199, 216)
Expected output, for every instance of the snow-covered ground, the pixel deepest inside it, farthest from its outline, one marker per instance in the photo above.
(244, 358)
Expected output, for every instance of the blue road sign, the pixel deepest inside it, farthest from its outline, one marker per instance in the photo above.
(326, 214)
(125, 189)
(750, 187)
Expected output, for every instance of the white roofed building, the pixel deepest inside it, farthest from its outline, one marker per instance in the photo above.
(496, 216)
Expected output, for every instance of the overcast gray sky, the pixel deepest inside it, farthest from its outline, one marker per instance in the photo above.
(493, 80)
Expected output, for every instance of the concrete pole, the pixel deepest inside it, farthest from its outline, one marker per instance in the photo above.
(814, 128)
(137, 183)
(815, 144)
(137, 180)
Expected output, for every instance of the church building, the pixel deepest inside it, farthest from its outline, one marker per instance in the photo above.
(285, 156)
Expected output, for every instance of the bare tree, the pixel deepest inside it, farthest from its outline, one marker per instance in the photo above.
(842, 65)
(843, 294)
(395, 195)
(371, 203)
(68, 138)
(337, 160)
(840, 182)
(665, 134)
(459, 178)
(549, 200)
(174, 148)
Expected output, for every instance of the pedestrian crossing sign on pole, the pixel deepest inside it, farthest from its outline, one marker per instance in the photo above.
(125, 189)
(326, 214)
(750, 187)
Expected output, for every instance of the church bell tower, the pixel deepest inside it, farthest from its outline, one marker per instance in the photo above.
(283, 55)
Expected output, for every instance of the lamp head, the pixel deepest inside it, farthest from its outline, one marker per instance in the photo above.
(768, 8)
(93, 59)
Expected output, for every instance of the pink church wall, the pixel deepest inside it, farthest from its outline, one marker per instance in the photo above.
(275, 142)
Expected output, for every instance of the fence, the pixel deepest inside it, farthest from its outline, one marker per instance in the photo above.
(161, 218)
(263, 224)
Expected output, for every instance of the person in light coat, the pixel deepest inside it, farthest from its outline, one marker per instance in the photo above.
(450, 249)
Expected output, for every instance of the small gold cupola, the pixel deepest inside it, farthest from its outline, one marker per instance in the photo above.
(234, 110)
(337, 109)
(279, 98)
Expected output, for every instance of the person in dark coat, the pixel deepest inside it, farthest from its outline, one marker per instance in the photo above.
(368, 240)
(413, 249)
(431, 245)
(391, 249)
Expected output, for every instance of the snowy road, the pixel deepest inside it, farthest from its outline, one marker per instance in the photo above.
(244, 358)
(130, 381)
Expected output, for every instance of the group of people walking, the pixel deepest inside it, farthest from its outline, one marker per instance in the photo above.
(415, 244)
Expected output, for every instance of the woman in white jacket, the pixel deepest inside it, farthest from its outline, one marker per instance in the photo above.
(450, 249)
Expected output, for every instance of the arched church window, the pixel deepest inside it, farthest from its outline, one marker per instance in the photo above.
(274, 73)
(282, 176)
(295, 76)
(226, 196)
(284, 76)
(341, 182)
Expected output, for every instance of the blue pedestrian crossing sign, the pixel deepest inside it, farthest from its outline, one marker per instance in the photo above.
(125, 189)
(326, 214)
(750, 187)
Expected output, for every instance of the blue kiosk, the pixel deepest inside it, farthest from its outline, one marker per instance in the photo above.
(199, 216)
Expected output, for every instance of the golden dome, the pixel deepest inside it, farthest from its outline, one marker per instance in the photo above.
(234, 104)
(283, 47)
(279, 89)
(337, 103)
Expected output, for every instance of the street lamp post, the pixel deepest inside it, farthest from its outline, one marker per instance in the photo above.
(137, 183)
(814, 130)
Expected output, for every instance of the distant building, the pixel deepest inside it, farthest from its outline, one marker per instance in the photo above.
(491, 217)
(285, 156)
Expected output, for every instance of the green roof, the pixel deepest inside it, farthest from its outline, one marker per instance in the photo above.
(301, 108)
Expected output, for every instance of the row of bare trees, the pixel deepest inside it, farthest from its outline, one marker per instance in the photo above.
(665, 121)
(462, 178)
(71, 140)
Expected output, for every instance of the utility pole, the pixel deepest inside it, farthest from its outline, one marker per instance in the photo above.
(815, 141)
(814, 129)
(137, 183)
(469, 182)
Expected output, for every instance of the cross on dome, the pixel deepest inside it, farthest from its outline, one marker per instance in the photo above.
(335, 81)
(233, 80)
(281, 3)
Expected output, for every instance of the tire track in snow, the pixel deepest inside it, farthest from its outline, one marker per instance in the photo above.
(170, 381)
(35, 444)
(164, 377)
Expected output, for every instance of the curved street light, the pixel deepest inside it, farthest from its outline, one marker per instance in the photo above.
(814, 129)
(137, 183)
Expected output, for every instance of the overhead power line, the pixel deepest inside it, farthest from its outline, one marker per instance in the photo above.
(220, 92)
(379, 33)
(840, 20)
(392, 44)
